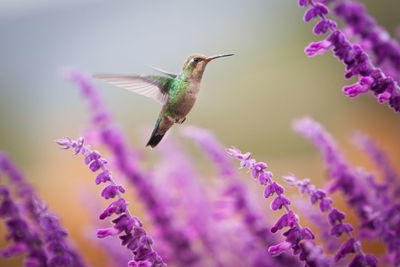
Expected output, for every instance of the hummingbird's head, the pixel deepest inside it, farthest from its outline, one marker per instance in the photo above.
(195, 65)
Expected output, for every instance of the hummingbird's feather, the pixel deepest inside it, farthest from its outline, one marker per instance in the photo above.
(156, 87)
(172, 75)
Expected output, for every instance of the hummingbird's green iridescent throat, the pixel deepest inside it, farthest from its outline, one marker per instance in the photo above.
(176, 92)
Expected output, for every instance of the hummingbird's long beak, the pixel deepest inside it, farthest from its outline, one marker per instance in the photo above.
(208, 59)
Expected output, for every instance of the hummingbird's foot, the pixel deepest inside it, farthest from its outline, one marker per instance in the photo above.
(180, 121)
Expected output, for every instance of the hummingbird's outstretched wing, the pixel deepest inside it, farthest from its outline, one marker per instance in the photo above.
(172, 75)
(156, 87)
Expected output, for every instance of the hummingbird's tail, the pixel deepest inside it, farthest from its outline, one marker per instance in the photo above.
(162, 125)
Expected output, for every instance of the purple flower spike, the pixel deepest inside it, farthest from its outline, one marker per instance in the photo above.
(381, 160)
(295, 235)
(20, 232)
(124, 223)
(335, 216)
(250, 217)
(356, 60)
(386, 50)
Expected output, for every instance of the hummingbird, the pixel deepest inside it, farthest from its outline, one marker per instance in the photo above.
(176, 92)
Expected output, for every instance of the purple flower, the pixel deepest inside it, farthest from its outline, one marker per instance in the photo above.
(361, 87)
(338, 229)
(295, 235)
(278, 249)
(279, 202)
(364, 260)
(273, 188)
(124, 222)
(92, 156)
(111, 191)
(211, 146)
(315, 11)
(386, 51)
(335, 216)
(265, 178)
(58, 250)
(115, 207)
(287, 219)
(240, 196)
(324, 26)
(20, 232)
(318, 48)
(316, 195)
(257, 169)
(356, 60)
(303, 2)
(377, 154)
(346, 248)
(103, 177)
(102, 233)
(14, 250)
(325, 204)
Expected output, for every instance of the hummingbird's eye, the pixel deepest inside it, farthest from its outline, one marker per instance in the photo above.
(196, 59)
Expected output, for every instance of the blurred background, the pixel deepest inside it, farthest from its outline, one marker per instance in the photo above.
(248, 100)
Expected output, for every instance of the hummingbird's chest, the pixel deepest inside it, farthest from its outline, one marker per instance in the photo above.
(181, 99)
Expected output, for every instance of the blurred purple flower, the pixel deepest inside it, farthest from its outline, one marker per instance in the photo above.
(208, 142)
(21, 233)
(235, 189)
(374, 213)
(372, 149)
(59, 251)
(187, 196)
